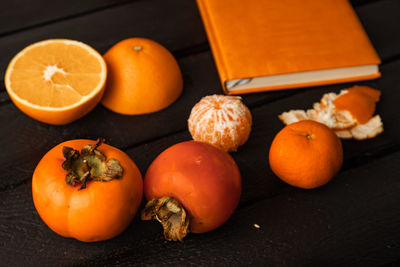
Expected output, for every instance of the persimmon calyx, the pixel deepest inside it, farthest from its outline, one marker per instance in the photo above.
(89, 164)
(171, 214)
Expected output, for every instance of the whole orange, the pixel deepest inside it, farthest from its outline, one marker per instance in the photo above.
(306, 154)
(143, 77)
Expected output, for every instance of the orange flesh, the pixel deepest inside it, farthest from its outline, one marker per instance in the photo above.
(55, 75)
(359, 101)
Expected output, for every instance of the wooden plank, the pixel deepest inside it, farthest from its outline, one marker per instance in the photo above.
(176, 32)
(32, 139)
(17, 17)
(352, 222)
(150, 19)
(327, 226)
(22, 14)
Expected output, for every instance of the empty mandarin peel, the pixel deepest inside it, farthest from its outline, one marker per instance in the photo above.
(223, 121)
(349, 114)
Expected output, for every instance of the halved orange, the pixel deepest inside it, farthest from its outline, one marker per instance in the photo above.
(143, 77)
(56, 81)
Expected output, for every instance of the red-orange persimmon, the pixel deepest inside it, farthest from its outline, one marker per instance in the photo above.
(87, 191)
(199, 180)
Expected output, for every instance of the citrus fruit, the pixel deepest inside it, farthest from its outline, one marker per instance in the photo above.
(143, 77)
(306, 154)
(223, 121)
(56, 81)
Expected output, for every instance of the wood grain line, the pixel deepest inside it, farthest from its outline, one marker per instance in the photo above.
(369, 157)
(15, 185)
(390, 60)
(191, 50)
(357, 3)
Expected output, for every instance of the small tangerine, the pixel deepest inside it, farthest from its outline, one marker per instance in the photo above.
(223, 121)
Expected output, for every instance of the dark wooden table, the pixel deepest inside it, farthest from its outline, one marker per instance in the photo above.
(352, 221)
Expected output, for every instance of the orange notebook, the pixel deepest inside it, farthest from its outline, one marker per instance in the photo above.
(261, 45)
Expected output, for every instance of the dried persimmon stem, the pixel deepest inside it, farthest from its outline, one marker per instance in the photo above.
(171, 214)
(89, 164)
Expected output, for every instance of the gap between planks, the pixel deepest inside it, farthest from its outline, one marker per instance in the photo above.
(63, 18)
(362, 3)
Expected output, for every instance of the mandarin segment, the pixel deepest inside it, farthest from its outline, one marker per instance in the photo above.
(223, 121)
(56, 81)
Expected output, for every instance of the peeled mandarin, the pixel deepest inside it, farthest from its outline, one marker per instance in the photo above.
(223, 121)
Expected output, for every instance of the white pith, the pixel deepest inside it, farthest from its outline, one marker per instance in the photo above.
(226, 118)
(50, 71)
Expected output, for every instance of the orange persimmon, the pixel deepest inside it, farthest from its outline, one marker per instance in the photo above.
(191, 187)
(87, 190)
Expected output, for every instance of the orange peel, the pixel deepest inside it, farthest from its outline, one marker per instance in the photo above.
(349, 114)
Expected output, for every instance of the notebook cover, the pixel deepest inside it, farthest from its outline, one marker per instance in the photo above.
(256, 38)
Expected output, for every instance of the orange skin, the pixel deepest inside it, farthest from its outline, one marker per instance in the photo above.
(306, 154)
(143, 77)
(203, 178)
(360, 101)
(100, 211)
(60, 117)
